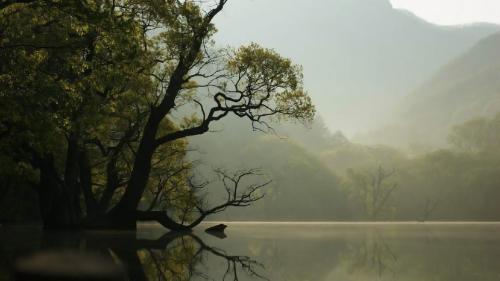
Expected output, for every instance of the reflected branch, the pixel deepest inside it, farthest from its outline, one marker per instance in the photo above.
(173, 256)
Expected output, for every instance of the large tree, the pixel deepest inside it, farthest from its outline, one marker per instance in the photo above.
(97, 99)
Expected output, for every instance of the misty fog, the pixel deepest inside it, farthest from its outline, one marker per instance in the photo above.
(249, 140)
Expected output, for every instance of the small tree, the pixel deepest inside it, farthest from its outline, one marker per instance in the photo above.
(430, 205)
(373, 189)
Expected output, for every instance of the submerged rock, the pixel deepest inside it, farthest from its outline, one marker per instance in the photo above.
(217, 228)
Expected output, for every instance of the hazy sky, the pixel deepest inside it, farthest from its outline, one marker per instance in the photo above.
(448, 12)
(359, 56)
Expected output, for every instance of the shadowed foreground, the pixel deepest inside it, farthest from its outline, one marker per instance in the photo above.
(172, 256)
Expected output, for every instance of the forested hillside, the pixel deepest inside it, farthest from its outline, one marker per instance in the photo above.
(337, 179)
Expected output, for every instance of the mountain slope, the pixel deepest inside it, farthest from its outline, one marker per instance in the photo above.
(358, 55)
(465, 88)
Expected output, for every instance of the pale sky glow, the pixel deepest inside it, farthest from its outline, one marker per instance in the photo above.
(451, 12)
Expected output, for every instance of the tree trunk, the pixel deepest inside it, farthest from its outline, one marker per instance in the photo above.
(91, 207)
(55, 205)
(59, 198)
(71, 188)
(112, 183)
(122, 216)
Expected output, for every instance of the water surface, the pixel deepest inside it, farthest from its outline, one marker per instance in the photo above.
(284, 251)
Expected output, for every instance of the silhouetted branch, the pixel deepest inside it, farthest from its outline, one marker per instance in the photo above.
(237, 195)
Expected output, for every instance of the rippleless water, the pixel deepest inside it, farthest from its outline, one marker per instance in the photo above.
(284, 251)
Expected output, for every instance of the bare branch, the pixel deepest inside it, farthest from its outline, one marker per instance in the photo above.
(237, 196)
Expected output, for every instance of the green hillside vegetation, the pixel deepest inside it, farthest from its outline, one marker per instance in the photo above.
(331, 179)
(460, 183)
(303, 187)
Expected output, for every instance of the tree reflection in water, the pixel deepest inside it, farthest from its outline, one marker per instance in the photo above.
(179, 257)
(372, 255)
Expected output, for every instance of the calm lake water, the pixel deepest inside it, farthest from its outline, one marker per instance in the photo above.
(270, 251)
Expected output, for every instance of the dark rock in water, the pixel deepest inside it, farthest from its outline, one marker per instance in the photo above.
(217, 231)
(67, 265)
(216, 228)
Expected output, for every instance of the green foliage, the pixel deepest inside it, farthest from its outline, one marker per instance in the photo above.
(449, 184)
(89, 87)
(477, 135)
(267, 72)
